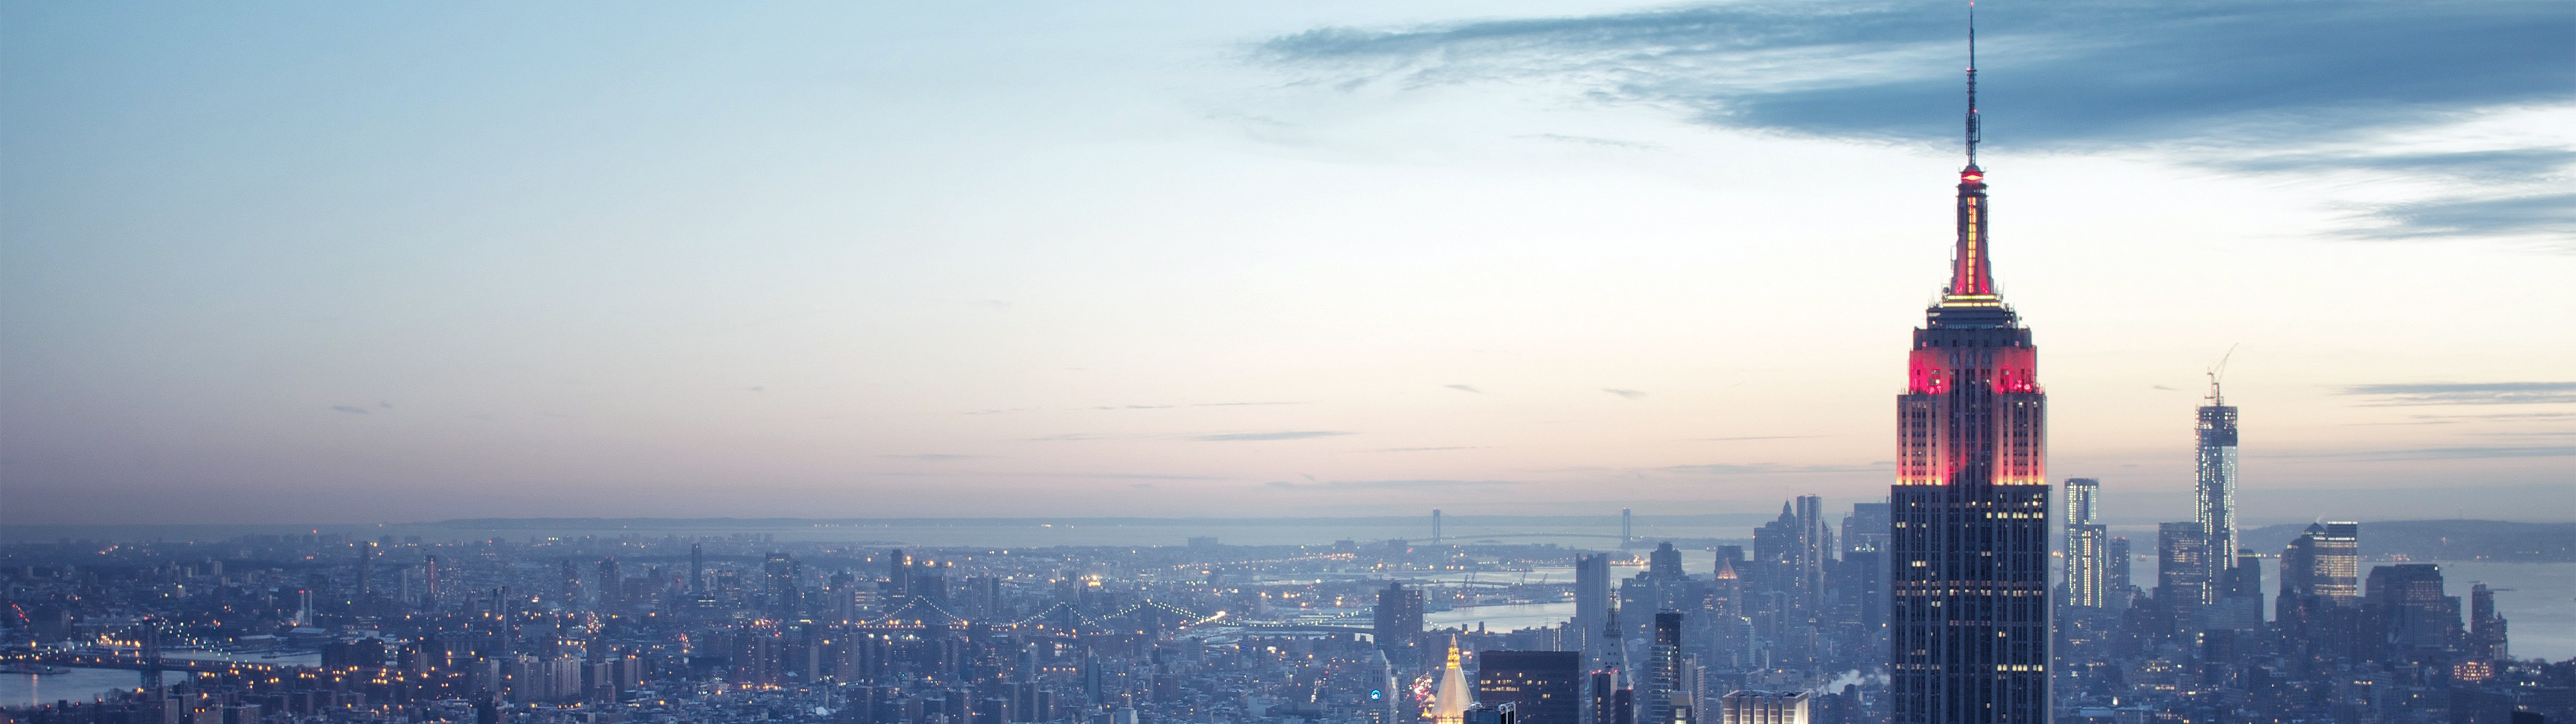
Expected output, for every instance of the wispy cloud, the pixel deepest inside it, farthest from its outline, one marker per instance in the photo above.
(2112, 71)
(2514, 164)
(2548, 215)
(1751, 437)
(1464, 388)
(2443, 453)
(1767, 469)
(994, 474)
(1154, 407)
(1630, 394)
(2261, 86)
(351, 409)
(1074, 437)
(1284, 435)
(2490, 417)
(939, 456)
(1593, 141)
(2473, 393)
(1422, 449)
(1312, 484)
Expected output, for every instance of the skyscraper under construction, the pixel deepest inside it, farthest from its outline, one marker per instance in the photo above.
(2214, 498)
(1969, 620)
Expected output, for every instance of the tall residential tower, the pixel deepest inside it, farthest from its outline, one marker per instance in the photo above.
(1969, 620)
(2086, 544)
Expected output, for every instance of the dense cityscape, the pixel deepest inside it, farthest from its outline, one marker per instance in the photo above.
(334, 627)
(1979, 590)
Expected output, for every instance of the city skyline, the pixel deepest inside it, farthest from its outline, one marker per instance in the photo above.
(270, 266)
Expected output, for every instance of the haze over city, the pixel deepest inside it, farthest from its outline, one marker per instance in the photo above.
(385, 263)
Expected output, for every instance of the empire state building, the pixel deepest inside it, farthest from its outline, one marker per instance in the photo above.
(1969, 623)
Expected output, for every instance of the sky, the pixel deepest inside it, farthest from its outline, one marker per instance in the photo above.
(361, 262)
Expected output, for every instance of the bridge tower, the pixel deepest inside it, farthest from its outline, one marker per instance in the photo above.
(151, 646)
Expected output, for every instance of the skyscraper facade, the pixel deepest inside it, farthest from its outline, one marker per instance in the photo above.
(430, 590)
(2486, 629)
(1765, 707)
(1399, 616)
(1663, 674)
(2214, 498)
(1592, 602)
(1815, 549)
(1543, 687)
(2183, 563)
(1969, 620)
(2116, 558)
(2337, 563)
(2416, 615)
(2086, 544)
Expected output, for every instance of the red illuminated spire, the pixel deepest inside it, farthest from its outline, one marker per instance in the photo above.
(1972, 278)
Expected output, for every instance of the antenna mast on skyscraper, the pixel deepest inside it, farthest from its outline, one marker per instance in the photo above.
(1973, 135)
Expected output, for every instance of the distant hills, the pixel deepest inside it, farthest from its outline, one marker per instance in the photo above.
(2443, 540)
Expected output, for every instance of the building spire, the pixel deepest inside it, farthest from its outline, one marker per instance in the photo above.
(1973, 135)
(1449, 703)
(1972, 278)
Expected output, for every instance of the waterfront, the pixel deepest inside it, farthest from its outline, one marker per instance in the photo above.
(2538, 600)
(25, 690)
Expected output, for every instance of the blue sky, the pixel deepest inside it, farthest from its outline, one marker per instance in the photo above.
(305, 261)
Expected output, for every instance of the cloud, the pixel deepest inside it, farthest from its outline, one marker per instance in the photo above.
(1592, 141)
(2552, 214)
(1423, 449)
(939, 456)
(2489, 417)
(2515, 164)
(1751, 437)
(1464, 388)
(1198, 404)
(2476, 393)
(2301, 86)
(1768, 469)
(351, 409)
(1250, 436)
(1630, 394)
(2444, 453)
(1042, 474)
(2162, 387)
(1313, 484)
(2074, 73)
